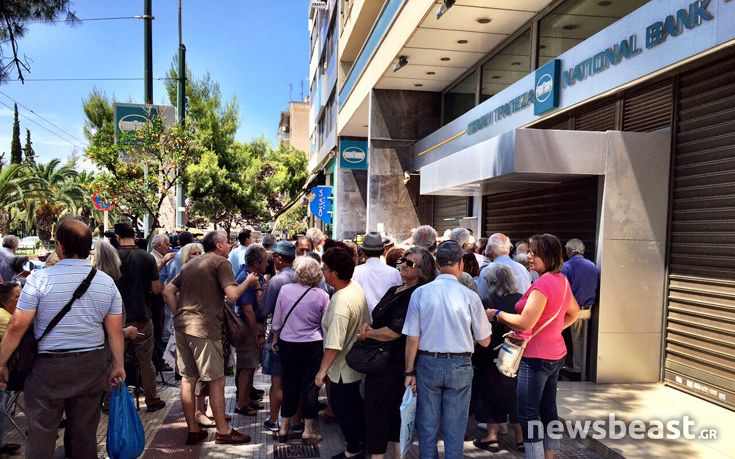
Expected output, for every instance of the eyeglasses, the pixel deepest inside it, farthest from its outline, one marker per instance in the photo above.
(408, 262)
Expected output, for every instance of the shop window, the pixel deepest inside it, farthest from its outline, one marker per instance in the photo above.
(461, 98)
(509, 65)
(576, 20)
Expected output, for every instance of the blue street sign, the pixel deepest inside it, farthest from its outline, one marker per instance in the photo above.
(321, 206)
(353, 154)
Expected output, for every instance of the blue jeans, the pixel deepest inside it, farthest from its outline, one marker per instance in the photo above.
(536, 398)
(443, 387)
(3, 400)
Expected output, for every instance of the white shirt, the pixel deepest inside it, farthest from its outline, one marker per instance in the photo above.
(375, 278)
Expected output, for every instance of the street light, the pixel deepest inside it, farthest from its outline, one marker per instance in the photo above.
(445, 6)
(402, 62)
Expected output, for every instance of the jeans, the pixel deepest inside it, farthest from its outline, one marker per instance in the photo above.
(3, 401)
(536, 399)
(443, 387)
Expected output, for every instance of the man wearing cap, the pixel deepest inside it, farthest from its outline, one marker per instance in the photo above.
(443, 322)
(374, 276)
(284, 254)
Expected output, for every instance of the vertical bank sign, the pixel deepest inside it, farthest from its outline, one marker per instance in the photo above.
(321, 206)
(546, 87)
(353, 154)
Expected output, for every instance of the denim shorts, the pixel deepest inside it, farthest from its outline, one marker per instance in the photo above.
(271, 362)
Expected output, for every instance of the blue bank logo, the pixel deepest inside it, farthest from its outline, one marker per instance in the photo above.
(546, 89)
(353, 154)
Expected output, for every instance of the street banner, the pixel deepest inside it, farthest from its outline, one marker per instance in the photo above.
(321, 206)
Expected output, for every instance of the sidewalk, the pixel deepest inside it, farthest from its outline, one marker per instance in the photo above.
(588, 402)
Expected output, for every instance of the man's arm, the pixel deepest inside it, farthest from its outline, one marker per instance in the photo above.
(114, 329)
(233, 292)
(330, 355)
(247, 310)
(164, 260)
(17, 327)
(156, 287)
(171, 296)
(412, 347)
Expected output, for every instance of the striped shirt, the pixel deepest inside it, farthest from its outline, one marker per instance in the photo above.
(48, 290)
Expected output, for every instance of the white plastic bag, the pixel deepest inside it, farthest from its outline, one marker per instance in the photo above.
(408, 418)
(169, 355)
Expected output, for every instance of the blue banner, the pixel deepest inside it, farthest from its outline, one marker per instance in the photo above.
(321, 206)
(353, 154)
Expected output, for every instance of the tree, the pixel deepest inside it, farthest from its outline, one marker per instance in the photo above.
(14, 15)
(54, 192)
(28, 152)
(14, 184)
(16, 152)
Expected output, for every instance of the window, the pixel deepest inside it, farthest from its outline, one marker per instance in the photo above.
(576, 20)
(509, 65)
(461, 98)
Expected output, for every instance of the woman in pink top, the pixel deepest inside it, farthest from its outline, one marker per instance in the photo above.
(297, 338)
(548, 306)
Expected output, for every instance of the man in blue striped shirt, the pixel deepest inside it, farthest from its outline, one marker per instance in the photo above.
(72, 369)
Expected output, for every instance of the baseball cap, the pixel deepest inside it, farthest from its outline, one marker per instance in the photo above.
(285, 248)
(449, 253)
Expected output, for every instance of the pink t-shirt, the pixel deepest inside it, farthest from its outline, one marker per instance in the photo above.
(548, 344)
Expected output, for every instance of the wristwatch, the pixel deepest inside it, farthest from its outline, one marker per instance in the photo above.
(410, 373)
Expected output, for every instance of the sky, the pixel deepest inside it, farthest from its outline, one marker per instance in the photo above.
(253, 49)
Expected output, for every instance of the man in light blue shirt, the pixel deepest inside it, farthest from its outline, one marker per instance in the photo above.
(443, 322)
(498, 250)
(237, 255)
(71, 371)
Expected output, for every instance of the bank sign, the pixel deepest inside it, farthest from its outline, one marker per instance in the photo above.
(353, 154)
(552, 78)
(321, 205)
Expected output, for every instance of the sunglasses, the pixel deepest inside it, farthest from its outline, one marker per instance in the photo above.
(408, 262)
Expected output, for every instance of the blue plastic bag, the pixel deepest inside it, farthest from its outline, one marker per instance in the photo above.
(125, 435)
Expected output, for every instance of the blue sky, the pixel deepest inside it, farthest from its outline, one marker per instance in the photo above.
(254, 49)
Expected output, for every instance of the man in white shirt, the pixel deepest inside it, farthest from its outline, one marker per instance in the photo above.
(237, 255)
(374, 276)
(498, 251)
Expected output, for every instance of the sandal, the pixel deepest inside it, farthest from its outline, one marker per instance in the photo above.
(205, 423)
(311, 440)
(285, 438)
(246, 411)
(491, 445)
(192, 438)
(233, 438)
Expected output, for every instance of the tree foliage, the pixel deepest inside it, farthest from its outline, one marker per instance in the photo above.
(14, 17)
(16, 152)
(29, 154)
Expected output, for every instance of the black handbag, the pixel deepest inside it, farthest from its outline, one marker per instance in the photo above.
(235, 327)
(21, 361)
(369, 356)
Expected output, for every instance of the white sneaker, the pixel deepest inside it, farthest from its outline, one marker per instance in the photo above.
(482, 426)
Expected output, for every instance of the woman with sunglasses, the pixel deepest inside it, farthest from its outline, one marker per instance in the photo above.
(384, 391)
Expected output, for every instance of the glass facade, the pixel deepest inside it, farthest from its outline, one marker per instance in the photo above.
(461, 98)
(509, 65)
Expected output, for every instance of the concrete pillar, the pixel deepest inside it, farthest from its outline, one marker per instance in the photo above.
(350, 194)
(397, 120)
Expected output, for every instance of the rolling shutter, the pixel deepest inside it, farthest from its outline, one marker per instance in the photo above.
(567, 210)
(648, 109)
(700, 323)
(600, 118)
(448, 210)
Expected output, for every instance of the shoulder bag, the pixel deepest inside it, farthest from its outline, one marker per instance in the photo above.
(275, 345)
(513, 346)
(21, 361)
(234, 326)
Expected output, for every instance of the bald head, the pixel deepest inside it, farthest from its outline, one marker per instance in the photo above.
(497, 245)
(73, 238)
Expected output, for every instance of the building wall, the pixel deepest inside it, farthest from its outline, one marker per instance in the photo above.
(299, 129)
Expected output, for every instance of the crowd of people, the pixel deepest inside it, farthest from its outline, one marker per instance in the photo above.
(437, 307)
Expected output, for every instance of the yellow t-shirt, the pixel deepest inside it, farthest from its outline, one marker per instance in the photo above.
(4, 319)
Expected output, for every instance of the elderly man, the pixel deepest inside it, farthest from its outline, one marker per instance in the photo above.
(584, 278)
(162, 254)
(498, 250)
(374, 276)
(443, 322)
(72, 369)
(425, 236)
(317, 239)
(197, 295)
(7, 252)
(138, 283)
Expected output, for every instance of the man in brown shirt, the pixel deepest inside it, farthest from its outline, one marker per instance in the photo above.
(198, 293)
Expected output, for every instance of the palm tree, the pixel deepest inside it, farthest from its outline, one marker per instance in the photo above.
(56, 192)
(15, 185)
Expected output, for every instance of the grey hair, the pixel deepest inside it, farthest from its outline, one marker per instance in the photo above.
(500, 280)
(307, 271)
(187, 249)
(574, 247)
(11, 241)
(158, 239)
(255, 254)
(212, 238)
(499, 244)
(315, 235)
(106, 259)
(426, 263)
(425, 236)
(460, 235)
(268, 241)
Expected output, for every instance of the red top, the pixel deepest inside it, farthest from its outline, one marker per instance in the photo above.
(548, 344)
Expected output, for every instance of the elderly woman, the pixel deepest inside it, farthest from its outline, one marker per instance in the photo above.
(384, 391)
(190, 251)
(498, 392)
(545, 309)
(297, 338)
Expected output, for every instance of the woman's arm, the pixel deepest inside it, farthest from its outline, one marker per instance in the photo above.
(381, 334)
(527, 319)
